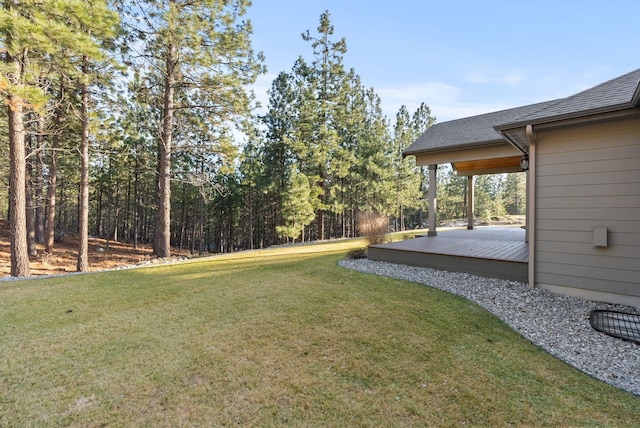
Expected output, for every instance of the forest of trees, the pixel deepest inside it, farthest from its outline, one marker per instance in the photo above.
(133, 121)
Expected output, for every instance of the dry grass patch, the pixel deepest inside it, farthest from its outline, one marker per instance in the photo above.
(276, 338)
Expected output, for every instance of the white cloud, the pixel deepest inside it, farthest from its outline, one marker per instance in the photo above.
(412, 95)
(426, 90)
(443, 100)
(511, 78)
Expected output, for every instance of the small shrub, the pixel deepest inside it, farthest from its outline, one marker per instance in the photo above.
(357, 253)
(373, 227)
(487, 214)
(45, 258)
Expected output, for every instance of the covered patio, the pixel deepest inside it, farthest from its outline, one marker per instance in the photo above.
(472, 147)
(579, 155)
(491, 251)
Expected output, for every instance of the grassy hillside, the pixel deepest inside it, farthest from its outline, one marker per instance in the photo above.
(279, 337)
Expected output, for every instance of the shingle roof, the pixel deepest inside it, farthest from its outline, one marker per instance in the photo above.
(615, 94)
(470, 130)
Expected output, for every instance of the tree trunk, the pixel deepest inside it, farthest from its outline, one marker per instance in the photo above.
(116, 212)
(321, 211)
(17, 202)
(136, 205)
(17, 170)
(128, 213)
(183, 217)
(51, 196)
(194, 227)
(30, 209)
(17, 167)
(39, 183)
(201, 225)
(98, 226)
(164, 176)
(83, 215)
(63, 220)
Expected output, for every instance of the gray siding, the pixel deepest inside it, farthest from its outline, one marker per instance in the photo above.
(588, 176)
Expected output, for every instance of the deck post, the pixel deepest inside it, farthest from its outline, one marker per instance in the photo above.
(433, 200)
(470, 202)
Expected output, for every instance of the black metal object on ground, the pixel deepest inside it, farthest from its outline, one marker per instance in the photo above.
(622, 325)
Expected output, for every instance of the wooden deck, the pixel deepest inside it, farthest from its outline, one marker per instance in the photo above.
(497, 252)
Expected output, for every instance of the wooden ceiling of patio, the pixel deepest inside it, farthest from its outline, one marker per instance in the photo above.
(488, 166)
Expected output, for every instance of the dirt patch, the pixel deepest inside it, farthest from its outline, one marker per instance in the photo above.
(102, 255)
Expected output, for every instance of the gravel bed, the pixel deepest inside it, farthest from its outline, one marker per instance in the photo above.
(559, 324)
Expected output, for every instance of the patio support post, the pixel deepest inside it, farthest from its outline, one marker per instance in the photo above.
(433, 202)
(470, 202)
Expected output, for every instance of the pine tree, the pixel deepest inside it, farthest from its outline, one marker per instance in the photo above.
(488, 196)
(34, 33)
(277, 152)
(298, 210)
(202, 50)
(452, 193)
(408, 177)
(514, 193)
(98, 23)
(374, 151)
(324, 79)
(421, 121)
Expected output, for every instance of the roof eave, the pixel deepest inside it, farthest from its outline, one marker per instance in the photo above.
(481, 144)
(564, 117)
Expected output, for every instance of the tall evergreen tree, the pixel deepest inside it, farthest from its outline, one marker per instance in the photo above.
(298, 210)
(32, 33)
(409, 179)
(202, 52)
(277, 152)
(422, 120)
(324, 79)
(452, 194)
(488, 196)
(406, 175)
(514, 193)
(19, 25)
(374, 151)
(99, 22)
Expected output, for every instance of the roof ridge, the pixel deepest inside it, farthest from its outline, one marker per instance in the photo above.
(618, 93)
(497, 112)
(548, 105)
(604, 83)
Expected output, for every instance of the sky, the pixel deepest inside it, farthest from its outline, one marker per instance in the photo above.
(461, 58)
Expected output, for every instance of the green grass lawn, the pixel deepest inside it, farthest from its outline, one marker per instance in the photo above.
(276, 338)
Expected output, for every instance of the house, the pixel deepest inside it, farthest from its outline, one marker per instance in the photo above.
(582, 157)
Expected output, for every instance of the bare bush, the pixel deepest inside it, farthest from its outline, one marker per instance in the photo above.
(373, 227)
(357, 253)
